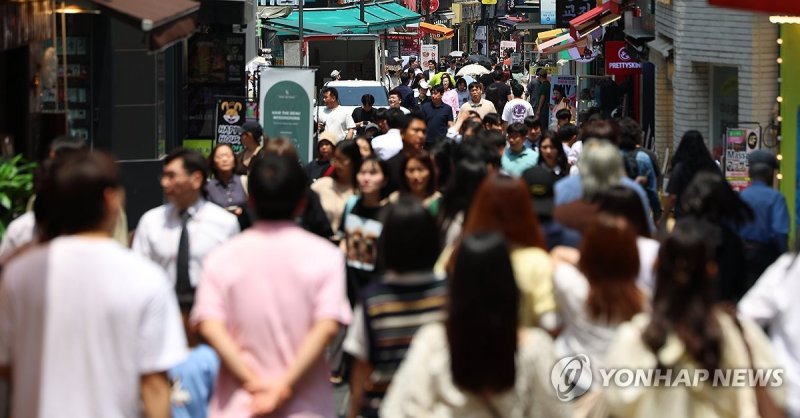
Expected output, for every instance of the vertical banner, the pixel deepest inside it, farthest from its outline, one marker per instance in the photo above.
(286, 100)
(548, 12)
(228, 123)
(739, 143)
(428, 52)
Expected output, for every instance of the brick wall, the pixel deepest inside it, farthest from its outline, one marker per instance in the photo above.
(703, 36)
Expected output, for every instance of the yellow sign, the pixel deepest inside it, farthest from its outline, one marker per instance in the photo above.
(550, 70)
(489, 1)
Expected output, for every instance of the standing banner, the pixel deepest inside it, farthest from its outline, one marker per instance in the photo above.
(286, 101)
(739, 143)
(228, 123)
(428, 52)
(570, 85)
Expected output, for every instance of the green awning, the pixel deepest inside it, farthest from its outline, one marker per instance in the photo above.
(377, 17)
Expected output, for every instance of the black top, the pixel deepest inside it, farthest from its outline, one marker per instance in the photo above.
(315, 169)
(436, 118)
(497, 93)
(361, 115)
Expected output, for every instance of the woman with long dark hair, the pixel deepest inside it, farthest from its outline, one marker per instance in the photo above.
(480, 362)
(389, 312)
(334, 191)
(503, 204)
(552, 155)
(687, 331)
(691, 157)
(469, 169)
(226, 188)
(709, 197)
(419, 180)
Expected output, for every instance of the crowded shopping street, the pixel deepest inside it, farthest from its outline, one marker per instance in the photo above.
(399, 208)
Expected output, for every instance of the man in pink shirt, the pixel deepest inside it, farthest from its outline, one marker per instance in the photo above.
(269, 302)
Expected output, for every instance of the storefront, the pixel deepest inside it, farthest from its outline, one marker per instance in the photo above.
(465, 15)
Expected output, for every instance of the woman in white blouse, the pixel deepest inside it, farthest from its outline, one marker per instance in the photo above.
(479, 363)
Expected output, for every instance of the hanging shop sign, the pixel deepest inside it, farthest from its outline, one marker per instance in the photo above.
(784, 7)
(567, 10)
(739, 143)
(286, 100)
(619, 61)
(231, 112)
(548, 12)
(466, 12)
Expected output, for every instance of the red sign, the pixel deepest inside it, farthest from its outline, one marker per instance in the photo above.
(431, 5)
(619, 61)
(784, 7)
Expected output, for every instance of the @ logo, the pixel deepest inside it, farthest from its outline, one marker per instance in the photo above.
(623, 55)
(571, 377)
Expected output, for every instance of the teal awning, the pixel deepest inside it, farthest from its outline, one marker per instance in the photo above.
(377, 17)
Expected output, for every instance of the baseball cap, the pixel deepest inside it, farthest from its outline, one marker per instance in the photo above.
(371, 126)
(335, 73)
(763, 157)
(253, 128)
(540, 183)
(424, 84)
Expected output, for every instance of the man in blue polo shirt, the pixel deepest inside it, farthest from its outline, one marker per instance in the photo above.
(517, 158)
(438, 117)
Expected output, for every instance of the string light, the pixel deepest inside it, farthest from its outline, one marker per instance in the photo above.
(780, 41)
(779, 176)
(780, 60)
(779, 157)
(779, 119)
(779, 99)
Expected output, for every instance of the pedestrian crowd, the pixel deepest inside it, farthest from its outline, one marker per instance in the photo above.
(438, 270)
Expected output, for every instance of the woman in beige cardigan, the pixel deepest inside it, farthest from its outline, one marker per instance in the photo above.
(687, 333)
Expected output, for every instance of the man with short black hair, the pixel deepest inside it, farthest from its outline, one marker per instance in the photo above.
(543, 101)
(477, 102)
(389, 144)
(413, 133)
(271, 318)
(430, 72)
(396, 100)
(517, 109)
(334, 118)
(498, 92)
(87, 327)
(438, 117)
(516, 158)
(405, 92)
(365, 113)
(180, 234)
(766, 236)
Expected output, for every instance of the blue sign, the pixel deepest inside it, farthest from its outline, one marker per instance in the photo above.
(548, 12)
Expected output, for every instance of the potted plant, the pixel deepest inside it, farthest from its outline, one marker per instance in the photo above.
(16, 188)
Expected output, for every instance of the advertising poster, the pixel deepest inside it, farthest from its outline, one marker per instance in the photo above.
(216, 58)
(739, 143)
(429, 52)
(570, 85)
(286, 100)
(228, 123)
(548, 12)
(506, 45)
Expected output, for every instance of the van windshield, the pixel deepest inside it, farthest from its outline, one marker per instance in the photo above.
(351, 95)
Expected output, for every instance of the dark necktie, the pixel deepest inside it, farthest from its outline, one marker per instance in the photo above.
(183, 286)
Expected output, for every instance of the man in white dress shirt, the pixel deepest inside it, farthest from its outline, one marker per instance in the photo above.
(389, 144)
(158, 236)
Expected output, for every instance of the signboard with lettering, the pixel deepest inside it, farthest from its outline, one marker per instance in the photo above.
(739, 143)
(619, 61)
(286, 100)
(548, 12)
(228, 125)
(567, 10)
(429, 52)
(263, 3)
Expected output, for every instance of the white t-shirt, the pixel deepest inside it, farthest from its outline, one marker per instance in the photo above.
(337, 121)
(19, 232)
(387, 145)
(81, 320)
(516, 111)
(648, 254)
